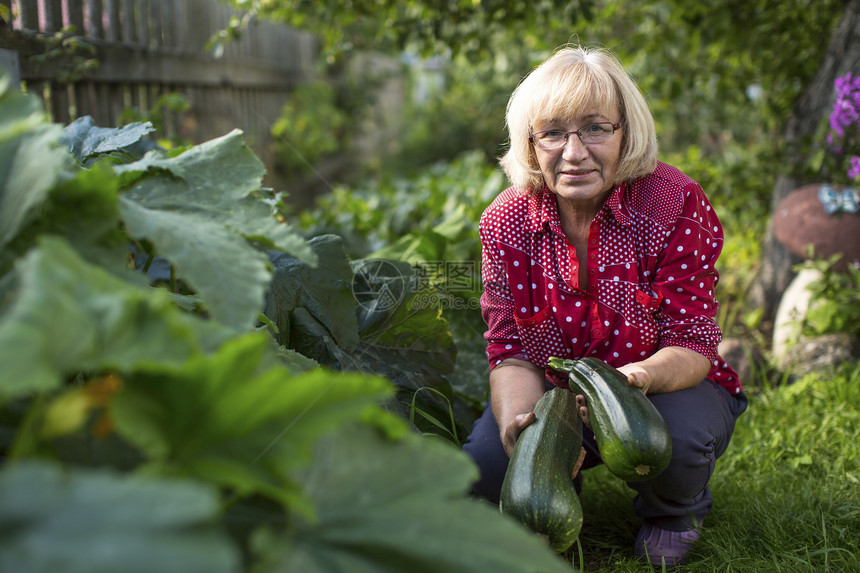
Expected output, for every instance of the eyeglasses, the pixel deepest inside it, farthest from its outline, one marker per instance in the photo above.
(556, 138)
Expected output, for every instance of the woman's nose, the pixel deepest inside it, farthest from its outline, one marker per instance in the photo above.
(574, 148)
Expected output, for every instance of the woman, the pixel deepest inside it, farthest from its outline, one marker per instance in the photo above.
(600, 250)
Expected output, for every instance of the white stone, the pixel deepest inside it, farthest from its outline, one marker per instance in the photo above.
(793, 307)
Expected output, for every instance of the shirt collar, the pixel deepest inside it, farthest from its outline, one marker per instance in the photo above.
(543, 210)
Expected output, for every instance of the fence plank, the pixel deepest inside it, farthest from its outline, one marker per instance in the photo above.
(53, 16)
(154, 24)
(95, 19)
(168, 25)
(128, 19)
(59, 109)
(148, 48)
(113, 31)
(199, 29)
(180, 17)
(75, 13)
(141, 13)
(29, 14)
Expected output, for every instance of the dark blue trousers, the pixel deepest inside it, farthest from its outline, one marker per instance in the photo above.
(701, 421)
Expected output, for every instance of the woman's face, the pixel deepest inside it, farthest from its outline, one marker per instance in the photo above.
(581, 173)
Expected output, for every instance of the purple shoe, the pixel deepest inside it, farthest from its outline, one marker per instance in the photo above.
(656, 545)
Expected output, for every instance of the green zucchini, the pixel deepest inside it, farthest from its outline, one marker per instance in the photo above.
(538, 488)
(632, 438)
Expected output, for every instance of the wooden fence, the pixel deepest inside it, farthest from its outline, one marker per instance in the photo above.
(146, 49)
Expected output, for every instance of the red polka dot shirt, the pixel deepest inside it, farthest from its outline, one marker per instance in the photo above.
(651, 255)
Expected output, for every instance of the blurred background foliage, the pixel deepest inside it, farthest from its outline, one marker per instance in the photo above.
(721, 76)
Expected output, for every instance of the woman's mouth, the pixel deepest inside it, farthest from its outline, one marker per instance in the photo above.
(577, 174)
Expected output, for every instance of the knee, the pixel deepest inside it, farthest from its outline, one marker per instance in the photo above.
(686, 478)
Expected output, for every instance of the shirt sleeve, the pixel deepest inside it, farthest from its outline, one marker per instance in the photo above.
(686, 277)
(497, 303)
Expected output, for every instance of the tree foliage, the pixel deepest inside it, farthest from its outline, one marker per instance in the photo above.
(430, 26)
(718, 73)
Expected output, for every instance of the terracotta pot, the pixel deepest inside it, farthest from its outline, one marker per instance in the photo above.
(802, 219)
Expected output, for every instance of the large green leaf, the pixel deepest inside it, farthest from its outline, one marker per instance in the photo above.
(200, 210)
(403, 336)
(31, 161)
(70, 316)
(229, 275)
(85, 140)
(400, 335)
(221, 178)
(323, 292)
(83, 210)
(78, 521)
(400, 505)
(239, 418)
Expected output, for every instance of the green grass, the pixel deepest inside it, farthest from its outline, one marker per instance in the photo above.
(787, 492)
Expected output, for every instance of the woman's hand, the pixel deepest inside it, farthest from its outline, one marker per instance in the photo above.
(670, 369)
(582, 407)
(515, 387)
(514, 429)
(637, 375)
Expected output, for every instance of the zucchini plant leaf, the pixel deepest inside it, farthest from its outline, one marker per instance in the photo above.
(322, 292)
(69, 316)
(239, 418)
(222, 178)
(228, 274)
(400, 505)
(397, 334)
(31, 161)
(85, 140)
(86, 521)
(403, 336)
(83, 209)
(199, 210)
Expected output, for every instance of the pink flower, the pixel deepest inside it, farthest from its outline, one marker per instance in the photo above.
(844, 134)
(854, 169)
(846, 108)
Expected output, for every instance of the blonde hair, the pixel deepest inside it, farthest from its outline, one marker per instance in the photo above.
(563, 87)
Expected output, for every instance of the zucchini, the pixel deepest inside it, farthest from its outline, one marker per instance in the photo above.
(631, 436)
(538, 489)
